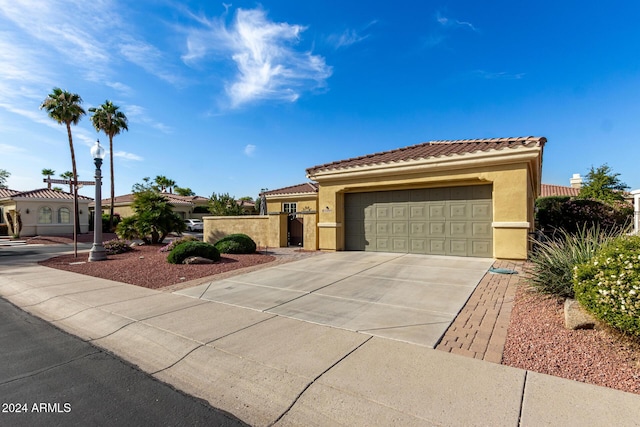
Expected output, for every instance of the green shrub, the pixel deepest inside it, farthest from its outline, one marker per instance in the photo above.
(236, 244)
(189, 249)
(553, 260)
(573, 215)
(176, 242)
(105, 222)
(116, 246)
(608, 286)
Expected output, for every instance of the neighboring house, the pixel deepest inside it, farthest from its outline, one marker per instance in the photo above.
(182, 205)
(549, 190)
(43, 211)
(464, 198)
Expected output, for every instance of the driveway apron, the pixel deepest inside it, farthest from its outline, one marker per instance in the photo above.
(406, 297)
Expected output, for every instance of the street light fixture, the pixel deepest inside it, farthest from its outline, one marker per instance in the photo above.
(97, 252)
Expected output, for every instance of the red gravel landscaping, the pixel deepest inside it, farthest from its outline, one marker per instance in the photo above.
(145, 266)
(538, 341)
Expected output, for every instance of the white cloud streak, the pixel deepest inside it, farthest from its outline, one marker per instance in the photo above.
(138, 114)
(250, 150)
(454, 23)
(269, 67)
(127, 156)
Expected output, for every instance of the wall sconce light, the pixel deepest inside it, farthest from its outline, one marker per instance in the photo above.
(27, 210)
(80, 212)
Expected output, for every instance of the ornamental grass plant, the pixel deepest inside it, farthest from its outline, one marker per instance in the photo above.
(554, 259)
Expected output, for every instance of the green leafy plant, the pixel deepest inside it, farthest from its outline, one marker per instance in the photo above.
(153, 220)
(116, 246)
(555, 213)
(553, 260)
(176, 242)
(236, 244)
(189, 249)
(608, 285)
(224, 205)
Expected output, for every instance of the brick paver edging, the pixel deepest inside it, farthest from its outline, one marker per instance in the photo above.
(480, 329)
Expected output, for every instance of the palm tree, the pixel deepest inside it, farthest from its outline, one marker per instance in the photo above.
(48, 173)
(161, 181)
(170, 183)
(64, 107)
(68, 175)
(108, 119)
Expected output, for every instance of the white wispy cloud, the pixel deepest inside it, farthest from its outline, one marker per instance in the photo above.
(350, 37)
(453, 23)
(127, 156)
(138, 114)
(492, 75)
(149, 58)
(250, 150)
(269, 65)
(6, 148)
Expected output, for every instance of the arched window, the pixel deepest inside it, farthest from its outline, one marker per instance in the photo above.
(45, 216)
(64, 216)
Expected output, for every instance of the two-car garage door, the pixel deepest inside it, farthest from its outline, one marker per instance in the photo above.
(443, 221)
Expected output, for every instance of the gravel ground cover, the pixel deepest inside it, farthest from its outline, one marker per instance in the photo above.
(538, 341)
(145, 266)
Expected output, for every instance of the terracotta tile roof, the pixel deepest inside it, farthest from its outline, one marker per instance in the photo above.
(430, 149)
(46, 193)
(174, 199)
(306, 187)
(547, 190)
(5, 192)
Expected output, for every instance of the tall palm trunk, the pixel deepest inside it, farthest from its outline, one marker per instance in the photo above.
(113, 191)
(76, 214)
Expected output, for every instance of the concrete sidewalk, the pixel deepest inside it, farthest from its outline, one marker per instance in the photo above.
(271, 370)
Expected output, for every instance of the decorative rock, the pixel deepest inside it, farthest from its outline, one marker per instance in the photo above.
(576, 317)
(197, 260)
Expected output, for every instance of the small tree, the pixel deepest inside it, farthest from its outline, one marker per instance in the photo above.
(153, 220)
(604, 185)
(224, 205)
(4, 175)
(183, 191)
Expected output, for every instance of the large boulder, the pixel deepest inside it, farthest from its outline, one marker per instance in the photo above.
(197, 260)
(576, 317)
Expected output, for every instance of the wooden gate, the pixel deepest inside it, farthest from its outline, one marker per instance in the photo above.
(295, 231)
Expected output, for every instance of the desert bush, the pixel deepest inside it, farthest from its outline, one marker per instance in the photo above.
(553, 260)
(176, 242)
(608, 285)
(116, 246)
(189, 249)
(105, 222)
(236, 244)
(555, 213)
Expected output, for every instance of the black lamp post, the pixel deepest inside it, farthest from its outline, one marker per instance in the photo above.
(97, 252)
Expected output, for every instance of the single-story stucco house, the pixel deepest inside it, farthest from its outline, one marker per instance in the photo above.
(182, 205)
(456, 197)
(42, 212)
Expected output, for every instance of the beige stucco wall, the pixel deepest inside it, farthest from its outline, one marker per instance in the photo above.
(266, 230)
(30, 225)
(306, 202)
(512, 196)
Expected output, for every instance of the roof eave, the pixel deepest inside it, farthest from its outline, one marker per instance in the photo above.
(484, 158)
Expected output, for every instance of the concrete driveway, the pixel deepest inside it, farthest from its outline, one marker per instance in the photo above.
(412, 298)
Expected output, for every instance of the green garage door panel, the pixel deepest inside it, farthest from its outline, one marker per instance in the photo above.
(441, 221)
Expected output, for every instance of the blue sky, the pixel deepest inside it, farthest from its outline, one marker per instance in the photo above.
(235, 97)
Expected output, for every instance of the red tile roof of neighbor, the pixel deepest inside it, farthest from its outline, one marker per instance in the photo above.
(547, 190)
(307, 187)
(5, 192)
(174, 199)
(431, 149)
(42, 193)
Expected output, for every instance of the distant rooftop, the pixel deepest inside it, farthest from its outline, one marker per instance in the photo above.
(307, 187)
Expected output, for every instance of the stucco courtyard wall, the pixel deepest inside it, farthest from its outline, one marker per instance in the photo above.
(266, 230)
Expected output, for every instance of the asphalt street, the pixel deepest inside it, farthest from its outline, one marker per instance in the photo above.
(50, 378)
